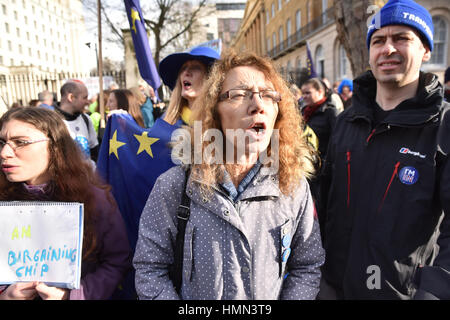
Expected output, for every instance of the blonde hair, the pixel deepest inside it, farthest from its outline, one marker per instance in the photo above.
(176, 104)
(140, 97)
(295, 157)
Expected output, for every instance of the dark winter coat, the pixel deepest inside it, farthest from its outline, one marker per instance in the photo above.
(385, 194)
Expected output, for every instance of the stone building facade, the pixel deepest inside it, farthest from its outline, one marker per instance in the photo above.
(282, 28)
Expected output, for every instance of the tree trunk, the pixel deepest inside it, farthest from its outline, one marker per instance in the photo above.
(351, 24)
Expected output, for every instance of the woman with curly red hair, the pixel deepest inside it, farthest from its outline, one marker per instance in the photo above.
(251, 233)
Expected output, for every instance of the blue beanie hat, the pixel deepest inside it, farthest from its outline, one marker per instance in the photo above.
(404, 12)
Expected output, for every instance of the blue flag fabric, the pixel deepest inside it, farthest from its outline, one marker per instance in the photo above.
(131, 158)
(309, 63)
(144, 56)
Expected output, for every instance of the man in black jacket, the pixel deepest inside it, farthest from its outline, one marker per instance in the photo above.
(385, 193)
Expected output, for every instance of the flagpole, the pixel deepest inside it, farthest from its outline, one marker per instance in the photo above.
(100, 66)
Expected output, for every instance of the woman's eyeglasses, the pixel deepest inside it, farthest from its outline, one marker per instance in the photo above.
(240, 95)
(17, 144)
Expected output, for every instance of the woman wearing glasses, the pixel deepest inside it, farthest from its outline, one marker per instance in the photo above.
(40, 162)
(251, 233)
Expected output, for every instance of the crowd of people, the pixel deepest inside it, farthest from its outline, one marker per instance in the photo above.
(351, 199)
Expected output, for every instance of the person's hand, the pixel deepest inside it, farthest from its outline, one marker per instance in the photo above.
(20, 291)
(116, 111)
(51, 293)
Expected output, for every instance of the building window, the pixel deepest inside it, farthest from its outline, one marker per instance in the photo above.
(320, 62)
(279, 5)
(228, 6)
(273, 10)
(298, 20)
(288, 32)
(440, 41)
(274, 40)
(309, 11)
(280, 34)
(342, 62)
(324, 8)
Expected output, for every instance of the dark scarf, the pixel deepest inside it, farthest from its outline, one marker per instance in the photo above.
(68, 116)
(308, 111)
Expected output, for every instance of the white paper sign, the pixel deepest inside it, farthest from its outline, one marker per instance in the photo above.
(41, 241)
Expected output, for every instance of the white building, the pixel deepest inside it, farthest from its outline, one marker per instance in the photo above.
(42, 43)
(220, 20)
(47, 34)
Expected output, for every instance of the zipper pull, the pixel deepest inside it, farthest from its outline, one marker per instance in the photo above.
(396, 167)
(348, 177)
(370, 136)
(394, 174)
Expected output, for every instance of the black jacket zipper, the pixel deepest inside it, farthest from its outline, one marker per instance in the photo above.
(394, 173)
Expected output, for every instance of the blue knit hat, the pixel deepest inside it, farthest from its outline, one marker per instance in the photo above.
(345, 82)
(404, 12)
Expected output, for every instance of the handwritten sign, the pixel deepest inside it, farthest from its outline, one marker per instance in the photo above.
(41, 241)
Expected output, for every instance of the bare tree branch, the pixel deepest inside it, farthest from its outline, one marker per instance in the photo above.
(115, 31)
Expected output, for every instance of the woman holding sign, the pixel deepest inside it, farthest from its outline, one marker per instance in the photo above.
(40, 162)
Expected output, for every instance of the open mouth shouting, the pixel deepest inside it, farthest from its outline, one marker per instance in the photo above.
(187, 85)
(257, 129)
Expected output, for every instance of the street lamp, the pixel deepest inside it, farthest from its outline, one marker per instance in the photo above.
(88, 44)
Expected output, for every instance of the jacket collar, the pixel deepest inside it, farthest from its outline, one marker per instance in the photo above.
(264, 184)
(415, 111)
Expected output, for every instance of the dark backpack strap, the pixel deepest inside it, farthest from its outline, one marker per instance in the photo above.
(86, 121)
(183, 213)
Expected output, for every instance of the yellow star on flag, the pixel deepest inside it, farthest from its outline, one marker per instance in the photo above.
(114, 145)
(145, 142)
(134, 17)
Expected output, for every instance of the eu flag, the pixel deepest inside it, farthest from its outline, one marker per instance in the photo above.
(130, 159)
(144, 56)
(309, 63)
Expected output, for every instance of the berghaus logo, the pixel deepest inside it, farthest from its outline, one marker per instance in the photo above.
(405, 150)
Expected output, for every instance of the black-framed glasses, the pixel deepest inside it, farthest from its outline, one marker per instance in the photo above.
(17, 144)
(240, 95)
